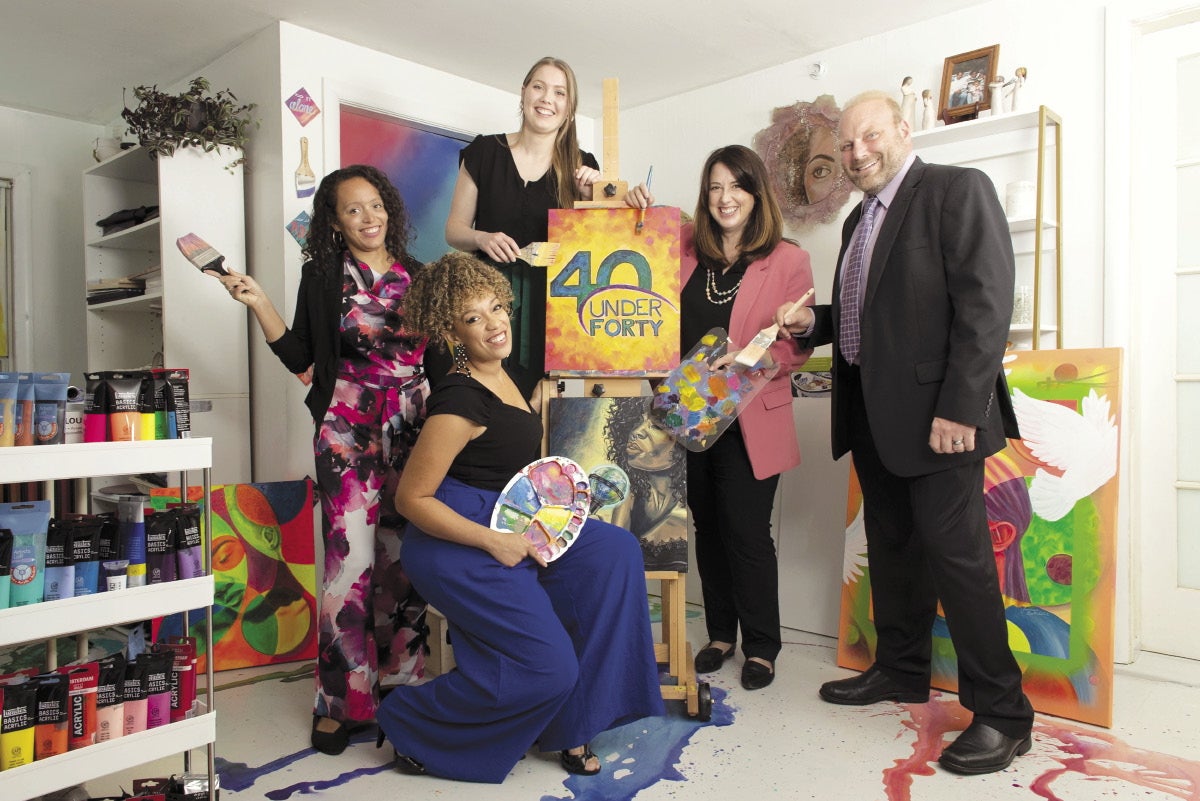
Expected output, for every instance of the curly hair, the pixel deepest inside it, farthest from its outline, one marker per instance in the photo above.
(324, 245)
(625, 415)
(442, 288)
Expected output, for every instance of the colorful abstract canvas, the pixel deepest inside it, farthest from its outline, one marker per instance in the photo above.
(421, 161)
(637, 471)
(612, 299)
(1051, 500)
(264, 566)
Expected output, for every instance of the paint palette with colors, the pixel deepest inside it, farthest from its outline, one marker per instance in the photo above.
(547, 502)
(695, 403)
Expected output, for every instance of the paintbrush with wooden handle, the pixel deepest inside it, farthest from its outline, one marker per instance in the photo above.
(753, 352)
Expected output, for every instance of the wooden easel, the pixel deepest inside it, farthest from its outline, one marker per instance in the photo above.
(609, 191)
(674, 651)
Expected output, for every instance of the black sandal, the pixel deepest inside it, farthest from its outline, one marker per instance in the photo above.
(577, 763)
(403, 764)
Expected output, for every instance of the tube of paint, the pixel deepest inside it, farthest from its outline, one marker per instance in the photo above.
(81, 702)
(110, 698)
(50, 408)
(132, 524)
(28, 523)
(116, 574)
(52, 736)
(73, 428)
(158, 687)
(6, 549)
(18, 725)
(189, 554)
(110, 536)
(160, 546)
(183, 676)
(179, 410)
(124, 420)
(135, 696)
(85, 544)
(8, 408)
(95, 408)
(60, 562)
(23, 417)
(146, 405)
(159, 376)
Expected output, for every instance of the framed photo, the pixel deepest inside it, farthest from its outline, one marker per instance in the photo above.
(965, 80)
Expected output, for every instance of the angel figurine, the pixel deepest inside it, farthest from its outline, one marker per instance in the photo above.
(908, 102)
(1014, 88)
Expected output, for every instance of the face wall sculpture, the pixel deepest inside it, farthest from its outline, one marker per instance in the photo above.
(800, 151)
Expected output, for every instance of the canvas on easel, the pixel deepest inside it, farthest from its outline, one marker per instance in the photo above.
(612, 299)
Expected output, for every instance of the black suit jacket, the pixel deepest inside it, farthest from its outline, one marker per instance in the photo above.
(935, 321)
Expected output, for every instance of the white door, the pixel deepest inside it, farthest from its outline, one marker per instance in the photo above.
(1164, 357)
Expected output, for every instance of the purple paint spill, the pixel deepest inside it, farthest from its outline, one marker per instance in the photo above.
(648, 752)
(236, 776)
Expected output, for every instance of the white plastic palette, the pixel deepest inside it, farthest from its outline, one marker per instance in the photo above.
(547, 503)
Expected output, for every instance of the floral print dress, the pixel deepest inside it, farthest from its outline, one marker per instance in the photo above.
(371, 620)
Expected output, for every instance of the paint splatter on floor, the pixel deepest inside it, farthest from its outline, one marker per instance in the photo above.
(635, 756)
(1118, 768)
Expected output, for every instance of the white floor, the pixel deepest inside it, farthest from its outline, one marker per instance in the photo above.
(777, 743)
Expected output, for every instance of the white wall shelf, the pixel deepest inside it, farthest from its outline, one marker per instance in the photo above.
(997, 145)
(187, 320)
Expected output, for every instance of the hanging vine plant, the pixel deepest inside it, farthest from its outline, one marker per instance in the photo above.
(194, 118)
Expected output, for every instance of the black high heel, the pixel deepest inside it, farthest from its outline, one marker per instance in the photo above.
(330, 742)
(577, 763)
(403, 764)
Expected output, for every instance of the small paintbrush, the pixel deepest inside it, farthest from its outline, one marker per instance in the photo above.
(539, 254)
(201, 254)
(752, 353)
(641, 223)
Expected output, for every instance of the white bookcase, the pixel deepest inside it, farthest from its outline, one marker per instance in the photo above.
(191, 321)
(1014, 147)
(72, 615)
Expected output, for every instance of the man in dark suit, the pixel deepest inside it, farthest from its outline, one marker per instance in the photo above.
(921, 306)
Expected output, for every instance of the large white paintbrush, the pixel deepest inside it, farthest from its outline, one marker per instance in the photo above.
(753, 352)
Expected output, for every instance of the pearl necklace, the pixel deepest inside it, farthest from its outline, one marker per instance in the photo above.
(719, 297)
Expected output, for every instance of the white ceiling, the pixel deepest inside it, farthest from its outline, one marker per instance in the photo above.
(71, 58)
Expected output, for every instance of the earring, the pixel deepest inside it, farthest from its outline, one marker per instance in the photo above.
(339, 241)
(460, 360)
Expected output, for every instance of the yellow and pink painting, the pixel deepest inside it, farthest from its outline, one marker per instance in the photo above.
(612, 299)
(1051, 500)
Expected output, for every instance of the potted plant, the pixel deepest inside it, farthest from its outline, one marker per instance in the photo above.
(194, 118)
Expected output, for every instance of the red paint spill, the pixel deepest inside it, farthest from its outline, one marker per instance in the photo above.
(1092, 754)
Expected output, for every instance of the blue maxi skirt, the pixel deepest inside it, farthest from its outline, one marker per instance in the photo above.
(551, 655)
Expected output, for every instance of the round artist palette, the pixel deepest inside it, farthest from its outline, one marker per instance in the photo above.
(547, 503)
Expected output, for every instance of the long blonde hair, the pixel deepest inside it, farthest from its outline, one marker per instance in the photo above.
(566, 158)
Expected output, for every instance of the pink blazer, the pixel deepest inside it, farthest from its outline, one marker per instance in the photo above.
(767, 425)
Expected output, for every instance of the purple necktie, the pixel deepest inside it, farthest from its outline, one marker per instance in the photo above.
(848, 334)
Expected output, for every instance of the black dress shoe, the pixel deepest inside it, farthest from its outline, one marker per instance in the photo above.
(330, 742)
(756, 675)
(982, 749)
(869, 687)
(710, 658)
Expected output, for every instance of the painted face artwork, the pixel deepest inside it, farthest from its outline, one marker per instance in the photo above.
(729, 204)
(650, 448)
(361, 217)
(821, 168)
(874, 146)
(545, 100)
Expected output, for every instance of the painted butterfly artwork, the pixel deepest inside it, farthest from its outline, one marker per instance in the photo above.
(695, 403)
(546, 502)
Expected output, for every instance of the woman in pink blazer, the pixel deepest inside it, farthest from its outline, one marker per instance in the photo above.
(735, 268)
